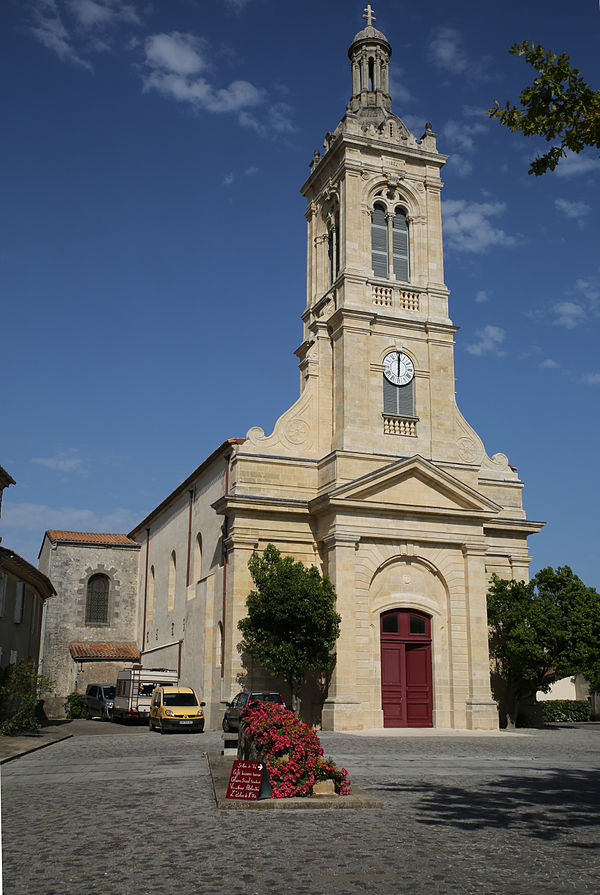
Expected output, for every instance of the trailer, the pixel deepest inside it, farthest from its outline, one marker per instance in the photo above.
(134, 691)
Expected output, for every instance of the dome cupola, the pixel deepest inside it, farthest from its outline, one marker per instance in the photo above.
(369, 56)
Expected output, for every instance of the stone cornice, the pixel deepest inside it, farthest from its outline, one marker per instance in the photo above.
(524, 526)
(369, 145)
(231, 503)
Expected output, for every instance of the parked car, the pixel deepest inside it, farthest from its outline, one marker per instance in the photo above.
(176, 708)
(231, 718)
(99, 701)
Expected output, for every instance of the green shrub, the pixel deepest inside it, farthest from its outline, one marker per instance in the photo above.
(565, 710)
(75, 705)
(20, 688)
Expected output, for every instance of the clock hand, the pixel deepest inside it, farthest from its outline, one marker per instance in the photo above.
(398, 357)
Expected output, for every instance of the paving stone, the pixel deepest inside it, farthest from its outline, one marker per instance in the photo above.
(133, 812)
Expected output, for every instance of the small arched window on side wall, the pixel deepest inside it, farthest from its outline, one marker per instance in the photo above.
(333, 240)
(96, 604)
(198, 558)
(172, 581)
(379, 241)
(400, 246)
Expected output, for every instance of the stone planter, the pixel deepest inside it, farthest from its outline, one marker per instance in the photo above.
(324, 789)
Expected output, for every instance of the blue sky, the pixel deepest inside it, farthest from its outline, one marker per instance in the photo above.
(152, 243)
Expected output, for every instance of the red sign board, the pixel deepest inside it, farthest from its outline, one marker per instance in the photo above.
(245, 780)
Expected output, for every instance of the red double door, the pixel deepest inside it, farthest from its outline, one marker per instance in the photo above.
(406, 692)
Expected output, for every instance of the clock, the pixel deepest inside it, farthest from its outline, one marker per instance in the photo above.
(398, 368)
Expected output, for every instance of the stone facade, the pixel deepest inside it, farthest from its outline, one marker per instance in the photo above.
(373, 474)
(71, 559)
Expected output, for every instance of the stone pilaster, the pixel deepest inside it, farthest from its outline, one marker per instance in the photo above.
(342, 707)
(481, 710)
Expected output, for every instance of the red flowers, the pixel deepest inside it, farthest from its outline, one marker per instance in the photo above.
(292, 752)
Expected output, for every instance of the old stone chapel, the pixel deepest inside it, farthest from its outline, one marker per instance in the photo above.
(373, 474)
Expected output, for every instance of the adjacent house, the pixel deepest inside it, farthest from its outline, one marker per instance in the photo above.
(23, 594)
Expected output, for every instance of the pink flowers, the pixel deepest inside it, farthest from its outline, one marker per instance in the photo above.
(292, 752)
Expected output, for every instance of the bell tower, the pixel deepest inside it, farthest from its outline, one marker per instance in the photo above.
(375, 274)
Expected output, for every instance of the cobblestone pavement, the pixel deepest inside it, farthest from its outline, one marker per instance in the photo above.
(133, 812)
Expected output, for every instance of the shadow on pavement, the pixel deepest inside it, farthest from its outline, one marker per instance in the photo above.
(543, 806)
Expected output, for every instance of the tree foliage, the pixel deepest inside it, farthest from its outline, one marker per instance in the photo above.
(540, 632)
(20, 689)
(292, 625)
(558, 106)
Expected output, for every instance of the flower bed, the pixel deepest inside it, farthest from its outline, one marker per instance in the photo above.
(292, 752)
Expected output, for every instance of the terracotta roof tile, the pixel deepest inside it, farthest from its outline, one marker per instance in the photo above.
(128, 651)
(90, 537)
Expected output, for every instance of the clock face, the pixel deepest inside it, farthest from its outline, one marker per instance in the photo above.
(398, 368)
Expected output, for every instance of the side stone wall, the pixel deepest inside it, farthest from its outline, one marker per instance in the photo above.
(69, 567)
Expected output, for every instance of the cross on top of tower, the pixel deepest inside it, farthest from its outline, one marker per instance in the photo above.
(369, 15)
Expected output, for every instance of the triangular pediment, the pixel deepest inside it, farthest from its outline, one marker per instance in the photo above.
(418, 484)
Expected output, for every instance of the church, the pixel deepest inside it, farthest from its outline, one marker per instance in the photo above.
(373, 475)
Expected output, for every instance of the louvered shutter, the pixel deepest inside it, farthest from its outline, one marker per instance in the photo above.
(398, 400)
(379, 243)
(400, 247)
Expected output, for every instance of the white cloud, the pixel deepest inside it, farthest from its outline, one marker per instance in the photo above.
(572, 209)
(490, 338)
(229, 178)
(467, 226)
(399, 92)
(65, 461)
(568, 314)
(549, 364)
(592, 378)
(49, 29)
(461, 135)
(446, 50)
(176, 66)
(237, 5)
(102, 13)
(38, 517)
(460, 164)
(590, 289)
(74, 28)
(481, 296)
(177, 53)
(572, 165)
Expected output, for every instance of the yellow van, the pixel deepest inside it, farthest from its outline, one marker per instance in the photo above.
(176, 708)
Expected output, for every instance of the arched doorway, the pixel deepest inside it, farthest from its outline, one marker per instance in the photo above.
(406, 692)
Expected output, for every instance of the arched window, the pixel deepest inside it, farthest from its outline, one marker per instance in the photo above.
(400, 246)
(333, 234)
(96, 604)
(172, 581)
(198, 558)
(379, 241)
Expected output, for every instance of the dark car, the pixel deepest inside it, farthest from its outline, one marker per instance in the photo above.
(231, 718)
(99, 701)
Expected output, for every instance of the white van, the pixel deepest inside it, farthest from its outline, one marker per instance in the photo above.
(134, 691)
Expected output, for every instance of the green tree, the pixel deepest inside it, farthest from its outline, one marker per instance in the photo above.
(20, 689)
(292, 626)
(558, 106)
(540, 632)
